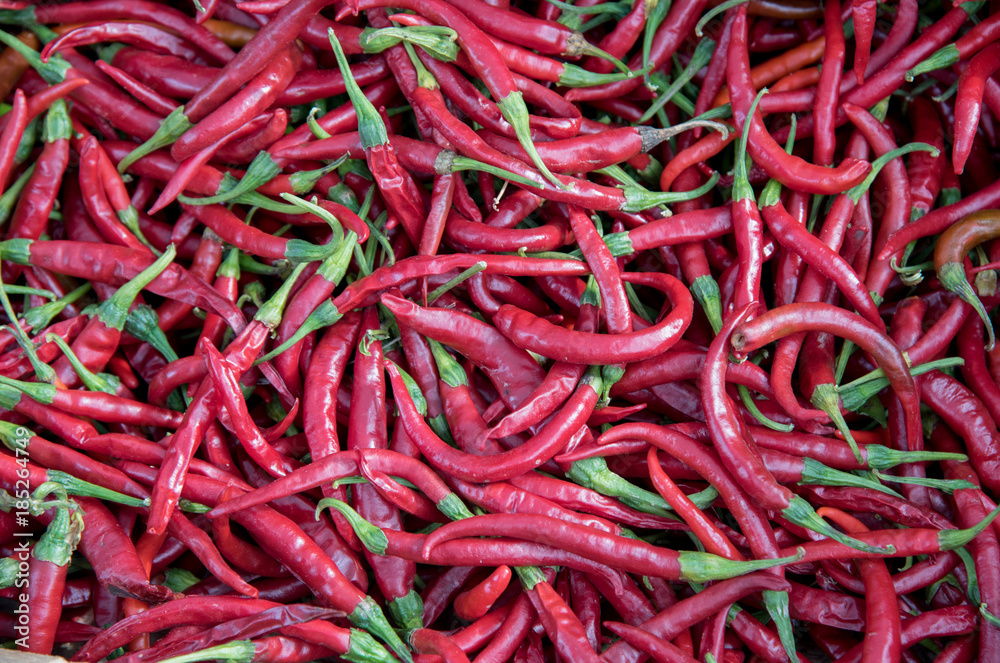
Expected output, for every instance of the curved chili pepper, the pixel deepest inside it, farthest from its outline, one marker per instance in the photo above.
(949, 256)
(883, 631)
(547, 339)
(549, 441)
(142, 35)
(683, 614)
(477, 601)
(777, 323)
(205, 406)
(790, 171)
(625, 554)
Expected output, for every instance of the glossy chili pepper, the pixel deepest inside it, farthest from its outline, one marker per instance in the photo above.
(49, 564)
(883, 631)
(205, 406)
(790, 171)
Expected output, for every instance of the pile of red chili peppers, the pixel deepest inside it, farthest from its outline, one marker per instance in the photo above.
(499, 330)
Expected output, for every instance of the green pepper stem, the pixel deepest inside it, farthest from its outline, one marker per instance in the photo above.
(801, 513)
(324, 315)
(826, 398)
(952, 277)
(171, 128)
(372, 537)
(90, 380)
(855, 193)
(114, 311)
(370, 126)
(270, 313)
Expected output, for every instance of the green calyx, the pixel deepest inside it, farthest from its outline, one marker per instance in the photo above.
(703, 567)
(705, 290)
(230, 266)
(620, 244)
(13, 193)
(770, 195)
(529, 576)
(61, 537)
(14, 437)
(370, 126)
(172, 128)
(324, 315)
(594, 473)
(16, 250)
(270, 313)
(941, 59)
(449, 369)
(41, 392)
(817, 474)
(601, 379)
(591, 293)
(412, 389)
(952, 277)
(114, 311)
(776, 604)
(437, 40)
(950, 539)
(826, 398)
(369, 617)
(452, 506)
(363, 648)
(238, 650)
(9, 397)
(58, 126)
(741, 183)
(701, 56)
(638, 199)
(91, 380)
(802, 514)
(855, 193)
(515, 111)
(53, 71)
(300, 252)
(143, 323)
(880, 457)
(407, 611)
(334, 267)
(372, 537)
(8, 572)
(261, 170)
(303, 181)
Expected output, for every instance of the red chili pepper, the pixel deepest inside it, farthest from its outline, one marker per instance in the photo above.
(865, 13)
(549, 441)
(790, 171)
(205, 406)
